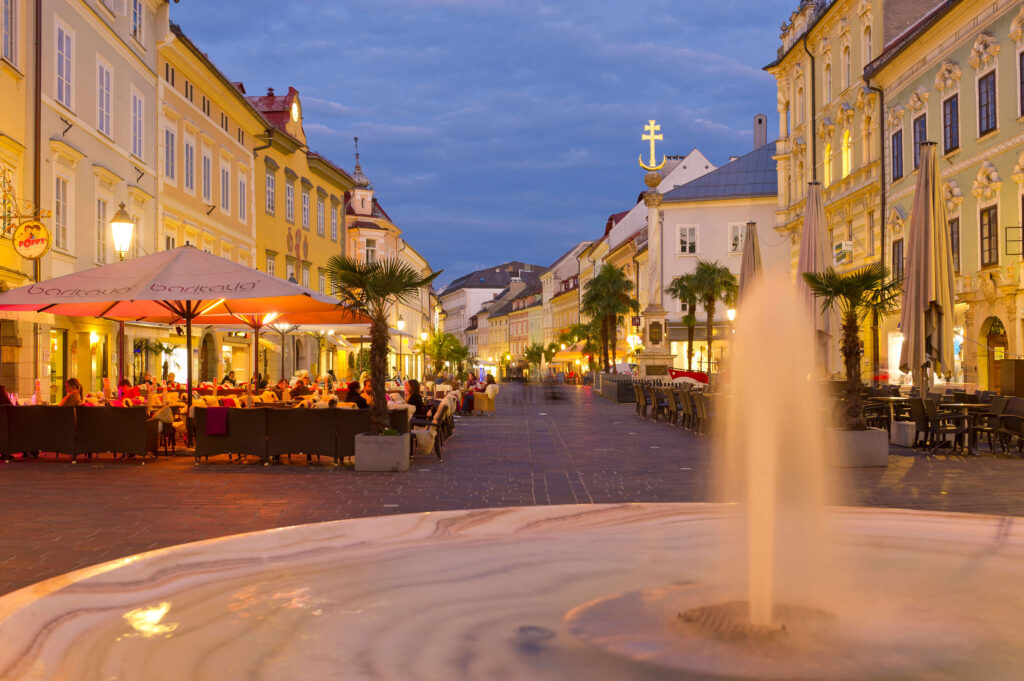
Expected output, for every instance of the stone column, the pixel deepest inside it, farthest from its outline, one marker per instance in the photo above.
(656, 357)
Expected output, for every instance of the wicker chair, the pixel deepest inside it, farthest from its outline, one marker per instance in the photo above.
(942, 424)
(301, 431)
(246, 435)
(350, 422)
(120, 430)
(642, 400)
(39, 428)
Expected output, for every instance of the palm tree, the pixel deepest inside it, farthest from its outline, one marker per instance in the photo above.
(713, 283)
(534, 354)
(371, 289)
(682, 289)
(165, 351)
(550, 351)
(584, 333)
(439, 347)
(857, 295)
(606, 298)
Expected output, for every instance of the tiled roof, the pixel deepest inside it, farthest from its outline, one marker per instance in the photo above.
(495, 277)
(275, 108)
(363, 224)
(748, 176)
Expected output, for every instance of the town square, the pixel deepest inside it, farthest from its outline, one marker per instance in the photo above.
(432, 339)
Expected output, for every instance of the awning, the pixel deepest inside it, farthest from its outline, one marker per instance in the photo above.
(269, 345)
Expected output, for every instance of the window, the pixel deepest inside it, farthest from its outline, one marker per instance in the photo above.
(687, 240)
(10, 31)
(897, 259)
(224, 122)
(207, 179)
(169, 74)
(305, 210)
(951, 124)
(954, 243)
(101, 230)
(322, 282)
(289, 202)
(799, 105)
(736, 232)
(271, 265)
(871, 232)
(827, 165)
(987, 103)
(137, 130)
(827, 77)
(271, 186)
(169, 242)
(241, 136)
(305, 277)
(290, 271)
(189, 91)
(190, 166)
(371, 250)
(920, 135)
(137, 19)
(206, 105)
(169, 153)
(1020, 82)
(64, 58)
(897, 155)
(847, 67)
(867, 45)
(60, 213)
(334, 223)
(845, 153)
(320, 209)
(103, 89)
(989, 237)
(242, 200)
(225, 190)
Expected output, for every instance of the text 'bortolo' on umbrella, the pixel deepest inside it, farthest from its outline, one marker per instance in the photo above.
(927, 316)
(816, 256)
(750, 265)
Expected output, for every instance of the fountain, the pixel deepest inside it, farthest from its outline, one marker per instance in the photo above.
(770, 584)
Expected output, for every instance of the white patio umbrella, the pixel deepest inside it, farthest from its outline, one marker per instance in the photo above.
(183, 284)
(816, 256)
(750, 265)
(927, 316)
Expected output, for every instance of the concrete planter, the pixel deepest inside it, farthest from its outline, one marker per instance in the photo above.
(382, 452)
(859, 448)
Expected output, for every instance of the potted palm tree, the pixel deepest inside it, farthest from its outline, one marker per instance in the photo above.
(713, 283)
(682, 289)
(372, 289)
(606, 298)
(856, 296)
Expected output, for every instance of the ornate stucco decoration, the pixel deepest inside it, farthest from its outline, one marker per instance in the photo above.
(953, 196)
(845, 113)
(824, 46)
(864, 10)
(894, 116)
(844, 29)
(865, 98)
(1017, 28)
(896, 221)
(1018, 171)
(826, 127)
(947, 80)
(984, 52)
(987, 183)
(918, 100)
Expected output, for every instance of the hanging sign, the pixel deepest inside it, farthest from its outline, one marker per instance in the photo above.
(31, 240)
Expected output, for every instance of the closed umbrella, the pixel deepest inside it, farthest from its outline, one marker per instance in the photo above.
(182, 284)
(927, 316)
(816, 256)
(750, 265)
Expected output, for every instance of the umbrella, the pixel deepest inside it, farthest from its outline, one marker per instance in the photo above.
(927, 316)
(750, 265)
(180, 284)
(815, 256)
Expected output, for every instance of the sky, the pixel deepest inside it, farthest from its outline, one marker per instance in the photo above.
(497, 130)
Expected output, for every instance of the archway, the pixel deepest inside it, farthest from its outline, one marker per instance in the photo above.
(993, 339)
(208, 358)
(301, 356)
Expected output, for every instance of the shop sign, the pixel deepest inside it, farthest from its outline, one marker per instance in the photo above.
(636, 322)
(31, 240)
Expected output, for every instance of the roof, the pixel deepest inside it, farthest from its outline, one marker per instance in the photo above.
(377, 211)
(581, 245)
(752, 175)
(495, 277)
(363, 224)
(275, 108)
(908, 37)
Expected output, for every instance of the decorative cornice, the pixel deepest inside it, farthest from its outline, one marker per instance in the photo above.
(864, 7)
(826, 127)
(894, 117)
(987, 183)
(844, 29)
(947, 80)
(865, 98)
(984, 52)
(896, 221)
(1018, 171)
(953, 196)
(1017, 28)
(918, 100)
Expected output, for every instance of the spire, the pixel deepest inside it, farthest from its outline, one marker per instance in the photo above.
(362, 181)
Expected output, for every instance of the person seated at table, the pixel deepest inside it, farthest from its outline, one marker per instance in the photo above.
(353, 396)
(490, 387)
(414, 398)
(229, 380)
(259, 381)
(367, 391)
(127, 390)
(301, 388)
(170, 383)
(73, 398)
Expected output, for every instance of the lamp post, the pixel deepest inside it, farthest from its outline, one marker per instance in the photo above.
(123, 229)
(401, 328)
(423, 359)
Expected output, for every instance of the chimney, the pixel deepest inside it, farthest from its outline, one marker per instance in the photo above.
(270, 91)
(760, 131)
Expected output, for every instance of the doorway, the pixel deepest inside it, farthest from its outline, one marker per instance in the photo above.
(995, 341)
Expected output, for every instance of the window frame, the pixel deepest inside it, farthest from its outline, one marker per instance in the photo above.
(206, 176)
(368, 250)
(61, 214)
(188, 159)
(102, 211)
(334, 222)
(138, 124)
(64, 89)
(104, 116)
(270, 193)
(896, 154)
(737, 234)
(225, 188)
(305, 210)
(271, 265)
(951, 130)
(921, 119)
(9, 32)
(170, 154)
(137, 25)
(242, 198)
(898, 265)
(289, 202)
(694, 232)
(993, 106)
(993, 235)
(321, 209)
(954, 242)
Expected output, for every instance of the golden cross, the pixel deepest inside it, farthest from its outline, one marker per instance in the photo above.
(652, 129)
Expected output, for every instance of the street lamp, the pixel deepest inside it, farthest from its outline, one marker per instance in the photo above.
(123, 228)
(731, 314)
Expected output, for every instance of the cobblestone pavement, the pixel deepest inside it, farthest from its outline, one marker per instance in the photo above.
(580, 449)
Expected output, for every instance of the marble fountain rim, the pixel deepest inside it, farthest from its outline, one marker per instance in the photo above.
(17, 600)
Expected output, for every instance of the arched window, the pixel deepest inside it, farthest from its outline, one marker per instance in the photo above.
(827, 169)
(827, 76)
(799, 104)
(847, 67)
(867, 45)
(846, 152)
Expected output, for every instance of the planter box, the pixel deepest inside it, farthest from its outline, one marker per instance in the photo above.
(859, 448)
(382, 452)
(903, 433)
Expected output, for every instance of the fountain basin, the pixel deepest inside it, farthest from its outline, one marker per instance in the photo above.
(486, 593)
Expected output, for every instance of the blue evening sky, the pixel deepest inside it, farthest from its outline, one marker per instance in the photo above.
(496, 130)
